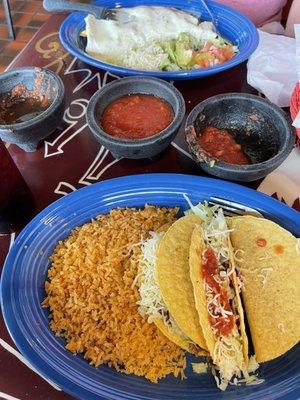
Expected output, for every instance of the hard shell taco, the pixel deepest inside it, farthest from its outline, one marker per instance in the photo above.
(217, 297)
(192, 278)
(165, 287)
(268, 264)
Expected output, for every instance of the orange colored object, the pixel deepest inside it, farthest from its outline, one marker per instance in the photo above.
(295, 106)
(209, 54)
(279, 249)
(220, 144)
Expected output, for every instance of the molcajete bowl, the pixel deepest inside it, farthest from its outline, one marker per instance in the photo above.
(262, 129)
(137, 148)
(45, 91)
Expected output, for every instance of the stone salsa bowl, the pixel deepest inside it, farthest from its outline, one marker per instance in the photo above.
(138, 148)
(37, 83)
(263, 129)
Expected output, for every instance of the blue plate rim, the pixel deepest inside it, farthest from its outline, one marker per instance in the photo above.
(140, 181)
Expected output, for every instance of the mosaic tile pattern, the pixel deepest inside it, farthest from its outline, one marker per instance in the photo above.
(28, 17)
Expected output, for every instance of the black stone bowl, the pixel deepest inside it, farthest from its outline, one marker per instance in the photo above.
(140, 148)
(42, 82)
(260, 127)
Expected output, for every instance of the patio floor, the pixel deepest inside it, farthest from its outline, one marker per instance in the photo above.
(28, 17)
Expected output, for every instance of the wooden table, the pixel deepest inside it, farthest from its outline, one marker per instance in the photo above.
(71, 158)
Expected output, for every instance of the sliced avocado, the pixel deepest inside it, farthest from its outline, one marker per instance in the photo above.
(169, 47)
(183, 55)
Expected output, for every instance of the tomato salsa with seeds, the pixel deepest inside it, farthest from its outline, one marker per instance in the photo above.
(136, 116)
(220, 144)
(209, 270)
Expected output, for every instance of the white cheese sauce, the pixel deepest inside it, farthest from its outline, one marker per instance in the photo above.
(111, 40)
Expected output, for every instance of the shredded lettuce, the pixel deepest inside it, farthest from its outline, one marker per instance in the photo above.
(214, 228)
(199, 368)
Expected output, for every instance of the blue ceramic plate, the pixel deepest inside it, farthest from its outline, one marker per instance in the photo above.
(232, 25)
(25, 271)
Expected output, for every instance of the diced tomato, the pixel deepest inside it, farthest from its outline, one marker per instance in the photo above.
(223, 54)
(204, 59)
(207, 46)
(210, 54)
(228, 52)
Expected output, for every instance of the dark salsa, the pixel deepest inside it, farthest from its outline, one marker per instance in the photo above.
(218, 143)
(223, 325)
(136, 116)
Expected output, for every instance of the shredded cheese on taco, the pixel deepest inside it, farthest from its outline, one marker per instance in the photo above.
(221, 303)
(151, 302)
(199, 368)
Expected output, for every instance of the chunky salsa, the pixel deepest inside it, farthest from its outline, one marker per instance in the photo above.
(223, 325)
(220, 144)
(136, 116)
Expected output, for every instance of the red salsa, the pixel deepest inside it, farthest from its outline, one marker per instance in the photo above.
(209, 270)
(218, 143)
(136, 116)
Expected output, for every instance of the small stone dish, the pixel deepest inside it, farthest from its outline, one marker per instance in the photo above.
(262, 129)
(31, 105)
(137, 148)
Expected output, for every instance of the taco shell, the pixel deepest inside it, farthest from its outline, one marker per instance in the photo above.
(196, 251)
(269, 266)
(175, 338)
(242, 327)
(174, 278)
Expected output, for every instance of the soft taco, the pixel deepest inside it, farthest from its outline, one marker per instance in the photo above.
(165, 287)
(217, 297)
(268, 264)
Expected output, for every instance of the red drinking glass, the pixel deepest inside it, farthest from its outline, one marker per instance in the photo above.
(16, 200)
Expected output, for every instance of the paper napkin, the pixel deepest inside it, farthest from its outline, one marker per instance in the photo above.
(272, 69)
